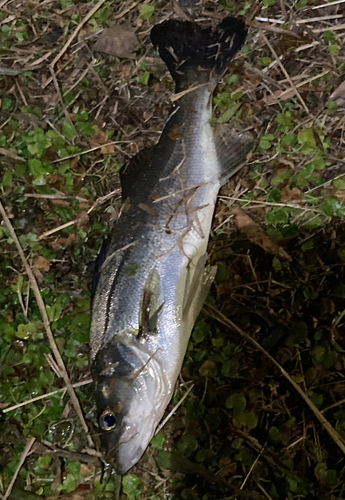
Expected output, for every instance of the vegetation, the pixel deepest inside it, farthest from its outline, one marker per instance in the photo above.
(262, 413)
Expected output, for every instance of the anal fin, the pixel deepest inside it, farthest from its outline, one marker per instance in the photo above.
(197, 290)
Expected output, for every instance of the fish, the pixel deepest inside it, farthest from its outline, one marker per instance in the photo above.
(152, 276)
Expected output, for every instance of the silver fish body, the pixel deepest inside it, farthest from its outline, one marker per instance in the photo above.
(153, 281)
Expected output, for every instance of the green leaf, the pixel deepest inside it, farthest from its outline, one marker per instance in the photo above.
(237, 402)
(334, 49)
(265, 61)
(329, 36)
(187, 445)
(25, 331)
(275, 434)
(67, 130)
(200, 331)
(289, 140)
(146, 11)
(6, 104)
(266, 141)
(132, 487)
(229, 113)
(230, 367)
(158, 441)
(307, 139)
(8, 178)
(339, 183)
(145, 78)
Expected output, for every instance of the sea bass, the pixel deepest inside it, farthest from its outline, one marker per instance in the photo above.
(152, 280)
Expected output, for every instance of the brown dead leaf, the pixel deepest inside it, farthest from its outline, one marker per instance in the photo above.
(289, 194)
(83, 221)
(340, 194)
(73, 163)
(61, 243)
(100, 138)
(56, 181)
(42, 264)
(257, 235)
(339, 95)
(119, 41)
(285, 95)
(60, 203)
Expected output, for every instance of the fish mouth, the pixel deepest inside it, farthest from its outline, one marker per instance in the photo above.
(132, 445)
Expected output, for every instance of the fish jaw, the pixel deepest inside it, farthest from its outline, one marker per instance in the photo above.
(132, 392)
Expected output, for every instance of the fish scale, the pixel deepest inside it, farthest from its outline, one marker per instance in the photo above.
(153, 281)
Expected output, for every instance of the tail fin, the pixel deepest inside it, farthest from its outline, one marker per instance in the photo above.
(196, 55)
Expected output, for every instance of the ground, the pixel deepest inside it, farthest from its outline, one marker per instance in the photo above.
(262, 386)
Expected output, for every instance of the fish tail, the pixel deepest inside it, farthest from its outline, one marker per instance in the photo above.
(197, 55)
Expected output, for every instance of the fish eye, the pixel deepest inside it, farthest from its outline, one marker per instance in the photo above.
(107, 420)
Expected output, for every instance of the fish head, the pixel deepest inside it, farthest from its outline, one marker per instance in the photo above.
(130, 390)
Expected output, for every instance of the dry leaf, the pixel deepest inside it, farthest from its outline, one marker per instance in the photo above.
(340, 194)
(100, 138)
(61, 243)
(126, 71)
(58, 202)
(285, 95)
(56, 181)
(289, 194)
(83, 221)
(42, 264)
(73, 163)
(119, 41)
(339, 94)
(256, 234)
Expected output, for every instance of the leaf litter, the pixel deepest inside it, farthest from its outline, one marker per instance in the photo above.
(242, 422)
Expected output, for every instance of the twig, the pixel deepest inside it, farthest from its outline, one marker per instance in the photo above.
(43, 396)
(76, 31)
(98, 202)
(175, 97)
(336, 27)
(66, 113)
(55, 197)
(218, 316)
(27, 448)
(167, 418)
(285, 72)
(46, 322)
(252, 467)
(125, 11)
(92, 149)
(329, 4)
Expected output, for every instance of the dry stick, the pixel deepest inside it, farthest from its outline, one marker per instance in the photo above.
(330, 4)
(28, 447)
(99, 201)
(125, 11)
(339, 441)
(284, 71)
(66, 113)
(337, 27)
(76, 31)
(46, 322)
(43, 396)
(168, 417)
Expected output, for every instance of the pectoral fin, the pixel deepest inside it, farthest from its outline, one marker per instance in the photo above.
(233, 147)
(197, 289)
